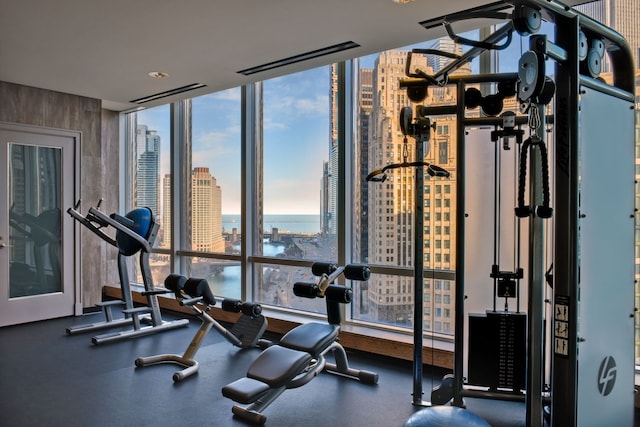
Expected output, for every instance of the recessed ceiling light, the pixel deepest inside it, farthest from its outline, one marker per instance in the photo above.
(403, 1)
(158, 75)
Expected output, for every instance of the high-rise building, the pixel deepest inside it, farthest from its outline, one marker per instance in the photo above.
(325, 216)
(166, 212)
(147, 169)
(365, 104)
(334, 142)
(391, 204)
(206, 219)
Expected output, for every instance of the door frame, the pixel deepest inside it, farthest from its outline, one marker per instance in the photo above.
(72, 273)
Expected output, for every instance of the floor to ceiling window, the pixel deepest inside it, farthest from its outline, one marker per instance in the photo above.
(298, 196)
(212, 207)
(148, 161)
(299, 182)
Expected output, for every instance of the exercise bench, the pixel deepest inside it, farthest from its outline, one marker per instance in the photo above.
(195, 294)
(301, 353)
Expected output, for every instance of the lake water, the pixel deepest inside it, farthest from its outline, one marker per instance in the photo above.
(292, 223)
(227, 283)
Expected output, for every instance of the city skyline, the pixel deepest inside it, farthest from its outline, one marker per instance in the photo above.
(216, 140)
(289, 101)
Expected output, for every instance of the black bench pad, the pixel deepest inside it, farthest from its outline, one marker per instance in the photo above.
(245, 390)
(311, 338)
(277, 365)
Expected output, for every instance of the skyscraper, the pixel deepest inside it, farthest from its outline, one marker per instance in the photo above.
(325, 215)
(391, 204)
(147, 168)
(166, 212)
(206, 220)
(365, 104)
(334, 141)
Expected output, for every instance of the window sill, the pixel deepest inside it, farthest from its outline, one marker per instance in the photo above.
(352, 336)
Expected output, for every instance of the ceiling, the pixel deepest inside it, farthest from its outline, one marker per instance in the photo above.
(105, 49)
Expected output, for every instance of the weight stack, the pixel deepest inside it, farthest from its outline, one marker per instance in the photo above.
(498, 351)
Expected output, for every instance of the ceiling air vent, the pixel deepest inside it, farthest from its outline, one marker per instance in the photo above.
(477, 12)
(167, 93)
(299, 58)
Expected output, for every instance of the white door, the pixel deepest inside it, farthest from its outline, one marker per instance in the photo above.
(38, 169)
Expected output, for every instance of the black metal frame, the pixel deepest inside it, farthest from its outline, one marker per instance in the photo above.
(565, 52)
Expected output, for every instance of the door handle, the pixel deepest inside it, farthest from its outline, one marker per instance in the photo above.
(2, 245)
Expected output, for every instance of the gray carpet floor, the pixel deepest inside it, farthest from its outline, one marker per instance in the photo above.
(49, 378)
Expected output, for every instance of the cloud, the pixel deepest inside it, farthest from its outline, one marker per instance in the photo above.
(285, 112)
(269, 124)
(234, 95)
(223, 140)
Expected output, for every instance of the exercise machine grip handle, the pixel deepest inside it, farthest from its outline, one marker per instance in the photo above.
(127, 222)
(102, 218)
(87, 222)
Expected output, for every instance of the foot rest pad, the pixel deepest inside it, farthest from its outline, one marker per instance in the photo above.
(109, 303)
(249, 329)
(245, 390)
(137, 310)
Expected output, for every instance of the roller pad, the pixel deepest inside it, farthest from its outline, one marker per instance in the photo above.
(339, 293)
(232, 305)
(312, 338)
(305, 290)
(277, 365)
(320, 268)
(199, 288)
(175, 283)
(357, 272)
(245, 390)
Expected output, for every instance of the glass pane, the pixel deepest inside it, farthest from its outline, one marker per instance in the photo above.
(223, 276)
(160, 265)
(151, 156)
(277, 288)
(35, 182)
(385, 215)
(300, 165)
(300, 173)
(216, 173)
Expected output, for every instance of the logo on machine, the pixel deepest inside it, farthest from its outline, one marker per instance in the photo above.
(607, 375)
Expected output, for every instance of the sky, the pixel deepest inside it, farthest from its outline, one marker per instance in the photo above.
(296, 136)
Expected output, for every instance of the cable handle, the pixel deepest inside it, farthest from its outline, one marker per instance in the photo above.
(544, 210)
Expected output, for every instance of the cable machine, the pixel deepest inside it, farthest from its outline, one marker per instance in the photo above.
(590, 313)
(419, 128)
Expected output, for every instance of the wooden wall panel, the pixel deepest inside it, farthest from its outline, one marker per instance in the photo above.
(99, 162)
